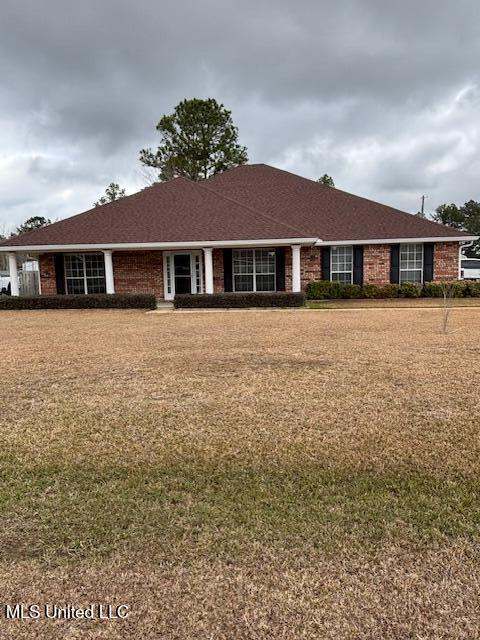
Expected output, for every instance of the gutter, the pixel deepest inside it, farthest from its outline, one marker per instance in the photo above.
(223, 244)
(340, 243)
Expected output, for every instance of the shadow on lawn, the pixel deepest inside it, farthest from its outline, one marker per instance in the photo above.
(60, 513)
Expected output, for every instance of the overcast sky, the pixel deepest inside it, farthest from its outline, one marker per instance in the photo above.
(381, 94)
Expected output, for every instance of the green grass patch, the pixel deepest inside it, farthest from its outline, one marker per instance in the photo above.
(60, 513)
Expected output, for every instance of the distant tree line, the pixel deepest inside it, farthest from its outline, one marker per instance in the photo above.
(35, 222)
(465, 218)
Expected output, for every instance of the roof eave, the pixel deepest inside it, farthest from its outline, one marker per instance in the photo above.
(133, 246)
(329, 243)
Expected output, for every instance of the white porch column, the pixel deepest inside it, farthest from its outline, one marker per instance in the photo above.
(109, 281)
(296, 283)
(13, 269)
(208, 270)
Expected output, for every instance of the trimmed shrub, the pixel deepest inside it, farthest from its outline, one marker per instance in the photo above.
(238, 300)
(432, 290)
(410, 290)
(472, 289)
(351, 290)
(380, 290)
(91, 301)
(327, 290)
(458, 289)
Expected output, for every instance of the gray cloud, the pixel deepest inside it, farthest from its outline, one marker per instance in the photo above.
(382, 95)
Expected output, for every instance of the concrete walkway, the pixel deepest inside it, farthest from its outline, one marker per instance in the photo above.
(339, 305)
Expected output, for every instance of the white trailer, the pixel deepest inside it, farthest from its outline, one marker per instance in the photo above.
(470, 268)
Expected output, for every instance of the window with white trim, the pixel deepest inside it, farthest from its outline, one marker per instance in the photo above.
(253, 269)
(411, 263)
(341, 264)
(84, 273)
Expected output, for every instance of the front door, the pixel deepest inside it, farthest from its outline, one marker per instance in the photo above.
(183, 273)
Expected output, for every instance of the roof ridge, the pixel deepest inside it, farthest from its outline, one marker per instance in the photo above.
(256, 211)
(235, 168)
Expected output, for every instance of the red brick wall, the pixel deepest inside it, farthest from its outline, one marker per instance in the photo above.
(376, 263)
(445, 261)
(138, 272)
(133, 271)
(46, 266)
(218, 281)
(142, 271)
(309, 265)
(288, 268)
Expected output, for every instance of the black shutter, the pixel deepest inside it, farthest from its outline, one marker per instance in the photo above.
(280, 268)
(358, 264)
(227, 270)
(395, 263)
(325, 263)
(428, 249)
(59, 272)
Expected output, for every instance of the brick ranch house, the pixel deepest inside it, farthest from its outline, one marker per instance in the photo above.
(251, 228)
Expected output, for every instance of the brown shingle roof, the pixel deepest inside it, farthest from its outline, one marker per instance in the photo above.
(175, 211)
(251, 202)
(326, 212)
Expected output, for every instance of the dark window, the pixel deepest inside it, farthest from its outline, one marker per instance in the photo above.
(182, 273)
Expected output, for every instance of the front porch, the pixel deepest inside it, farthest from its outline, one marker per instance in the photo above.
(178, 270)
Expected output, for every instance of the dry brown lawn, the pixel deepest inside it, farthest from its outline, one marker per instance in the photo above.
(288, 474)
